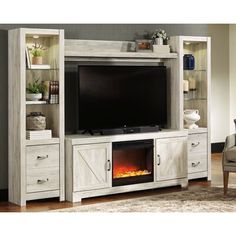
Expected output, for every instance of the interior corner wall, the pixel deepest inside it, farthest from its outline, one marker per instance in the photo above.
(3, 109)
(220, 109)
(232, 77)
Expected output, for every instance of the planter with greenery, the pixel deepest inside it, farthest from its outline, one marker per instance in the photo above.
(37, 54)
(34, 90)
(160, 37)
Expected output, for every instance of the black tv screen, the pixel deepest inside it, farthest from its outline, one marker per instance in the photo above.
(107, 97)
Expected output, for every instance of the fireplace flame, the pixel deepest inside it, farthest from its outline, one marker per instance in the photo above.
(125, 174)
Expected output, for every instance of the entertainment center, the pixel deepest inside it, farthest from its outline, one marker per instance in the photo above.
(122, 113)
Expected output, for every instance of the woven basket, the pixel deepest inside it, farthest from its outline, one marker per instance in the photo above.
(35, 122)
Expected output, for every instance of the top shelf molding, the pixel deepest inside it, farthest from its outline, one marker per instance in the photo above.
(109, 49)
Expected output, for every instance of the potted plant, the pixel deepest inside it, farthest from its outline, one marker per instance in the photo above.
(37, 54)
(34, 90)
(159, 37)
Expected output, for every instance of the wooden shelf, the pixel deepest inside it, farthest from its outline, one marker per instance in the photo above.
(35, 102)
(42, 141)
(141, 55)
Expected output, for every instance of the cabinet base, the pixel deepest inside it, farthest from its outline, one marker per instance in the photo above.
(78, 196)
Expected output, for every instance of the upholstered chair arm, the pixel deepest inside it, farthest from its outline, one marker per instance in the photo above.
(230, 141)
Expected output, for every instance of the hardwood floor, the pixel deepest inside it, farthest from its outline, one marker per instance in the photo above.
(50, 204)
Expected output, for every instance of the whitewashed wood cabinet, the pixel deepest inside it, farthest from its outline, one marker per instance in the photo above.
(171, 158)
(197, 96)
(92, 166)
(89, 163)
(36, 167)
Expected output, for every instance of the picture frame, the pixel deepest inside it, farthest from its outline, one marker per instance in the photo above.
(144, 45)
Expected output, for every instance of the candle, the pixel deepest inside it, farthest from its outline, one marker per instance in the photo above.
(185, 86)
(192, 83)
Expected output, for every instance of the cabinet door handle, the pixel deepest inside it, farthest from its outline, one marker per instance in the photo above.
(108, 165)
(195, 164)
(158, 159)
(42, 181)
(42, 157)
(195, 144)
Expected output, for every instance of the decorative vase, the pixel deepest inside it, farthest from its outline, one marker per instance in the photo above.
(159, 41)
(33, 96)
(35, 121)
(37, 60)
(190, 117)
(189, 62)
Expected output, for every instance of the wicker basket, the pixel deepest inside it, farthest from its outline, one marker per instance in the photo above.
(35, 121)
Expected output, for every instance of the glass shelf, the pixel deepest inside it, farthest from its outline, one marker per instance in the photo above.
(195, 99)
(39, 103)
(198, 70)
(40, 69)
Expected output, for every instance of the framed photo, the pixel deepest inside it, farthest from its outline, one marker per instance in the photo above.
(144, 45)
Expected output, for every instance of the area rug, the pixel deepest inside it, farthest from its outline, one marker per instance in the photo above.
(204, 199)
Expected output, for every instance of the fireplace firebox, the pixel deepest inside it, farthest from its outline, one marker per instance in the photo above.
(132, 162)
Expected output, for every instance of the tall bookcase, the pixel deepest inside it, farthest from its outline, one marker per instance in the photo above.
(36, 167)
(197, 97)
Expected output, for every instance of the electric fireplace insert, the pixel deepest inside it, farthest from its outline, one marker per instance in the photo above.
(132, 162)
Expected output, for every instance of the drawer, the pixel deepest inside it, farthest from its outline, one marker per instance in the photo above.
(45, 179)
(42, 156)
(197, 143)
(197, 163)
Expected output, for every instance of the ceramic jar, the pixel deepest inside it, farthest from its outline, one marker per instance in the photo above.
(190, 117)
(189, 62)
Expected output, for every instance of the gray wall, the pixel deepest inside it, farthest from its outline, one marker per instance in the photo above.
(83, 31)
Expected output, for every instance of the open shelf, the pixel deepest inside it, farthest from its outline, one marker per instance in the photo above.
(35, 102)
(42, 141)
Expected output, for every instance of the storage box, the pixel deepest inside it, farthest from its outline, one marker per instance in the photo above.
(161, 48)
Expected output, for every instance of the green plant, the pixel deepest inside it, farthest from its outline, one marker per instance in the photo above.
(35, 87)
(160, 33)
(37, 50)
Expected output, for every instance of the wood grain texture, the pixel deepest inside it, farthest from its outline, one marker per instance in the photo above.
(108, 49)
(200, 47)
(16, 111)
(90, 167)
(53, 40)
(171, 157)
(86, 174)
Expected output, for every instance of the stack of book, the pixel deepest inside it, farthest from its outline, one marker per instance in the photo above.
(51, 93)
(38, 134)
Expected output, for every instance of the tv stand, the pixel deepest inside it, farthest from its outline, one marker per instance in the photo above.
(90, 162)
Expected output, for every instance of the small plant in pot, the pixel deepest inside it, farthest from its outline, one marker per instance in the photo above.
(34, 90)
(37, 54)
(160, 37)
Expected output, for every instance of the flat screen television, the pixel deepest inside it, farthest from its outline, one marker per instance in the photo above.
(110, 97)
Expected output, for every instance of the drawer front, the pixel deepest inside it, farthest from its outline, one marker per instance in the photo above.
(45, 179)
(42, 156)
(197, 143)
(197, 163)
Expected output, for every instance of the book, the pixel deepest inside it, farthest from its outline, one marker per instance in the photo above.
(41, 67)
(28, 64)
(38, 134)
(51, 93)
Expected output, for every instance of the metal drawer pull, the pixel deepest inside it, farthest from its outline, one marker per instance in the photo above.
(159, 159)
(42, 157)
(195, 144)
(42, 181)
(195, 164)
(108, 165)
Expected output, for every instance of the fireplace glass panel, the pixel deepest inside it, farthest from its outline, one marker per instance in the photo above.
(132, 162)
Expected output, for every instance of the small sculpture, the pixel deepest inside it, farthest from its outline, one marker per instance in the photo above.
(190, 117)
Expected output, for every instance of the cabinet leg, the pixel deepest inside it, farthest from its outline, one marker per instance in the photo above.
(184, 183)
(226, 180)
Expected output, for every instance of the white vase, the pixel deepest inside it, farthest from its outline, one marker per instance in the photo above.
(33, 96)
(190, 117)
(159, 41)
